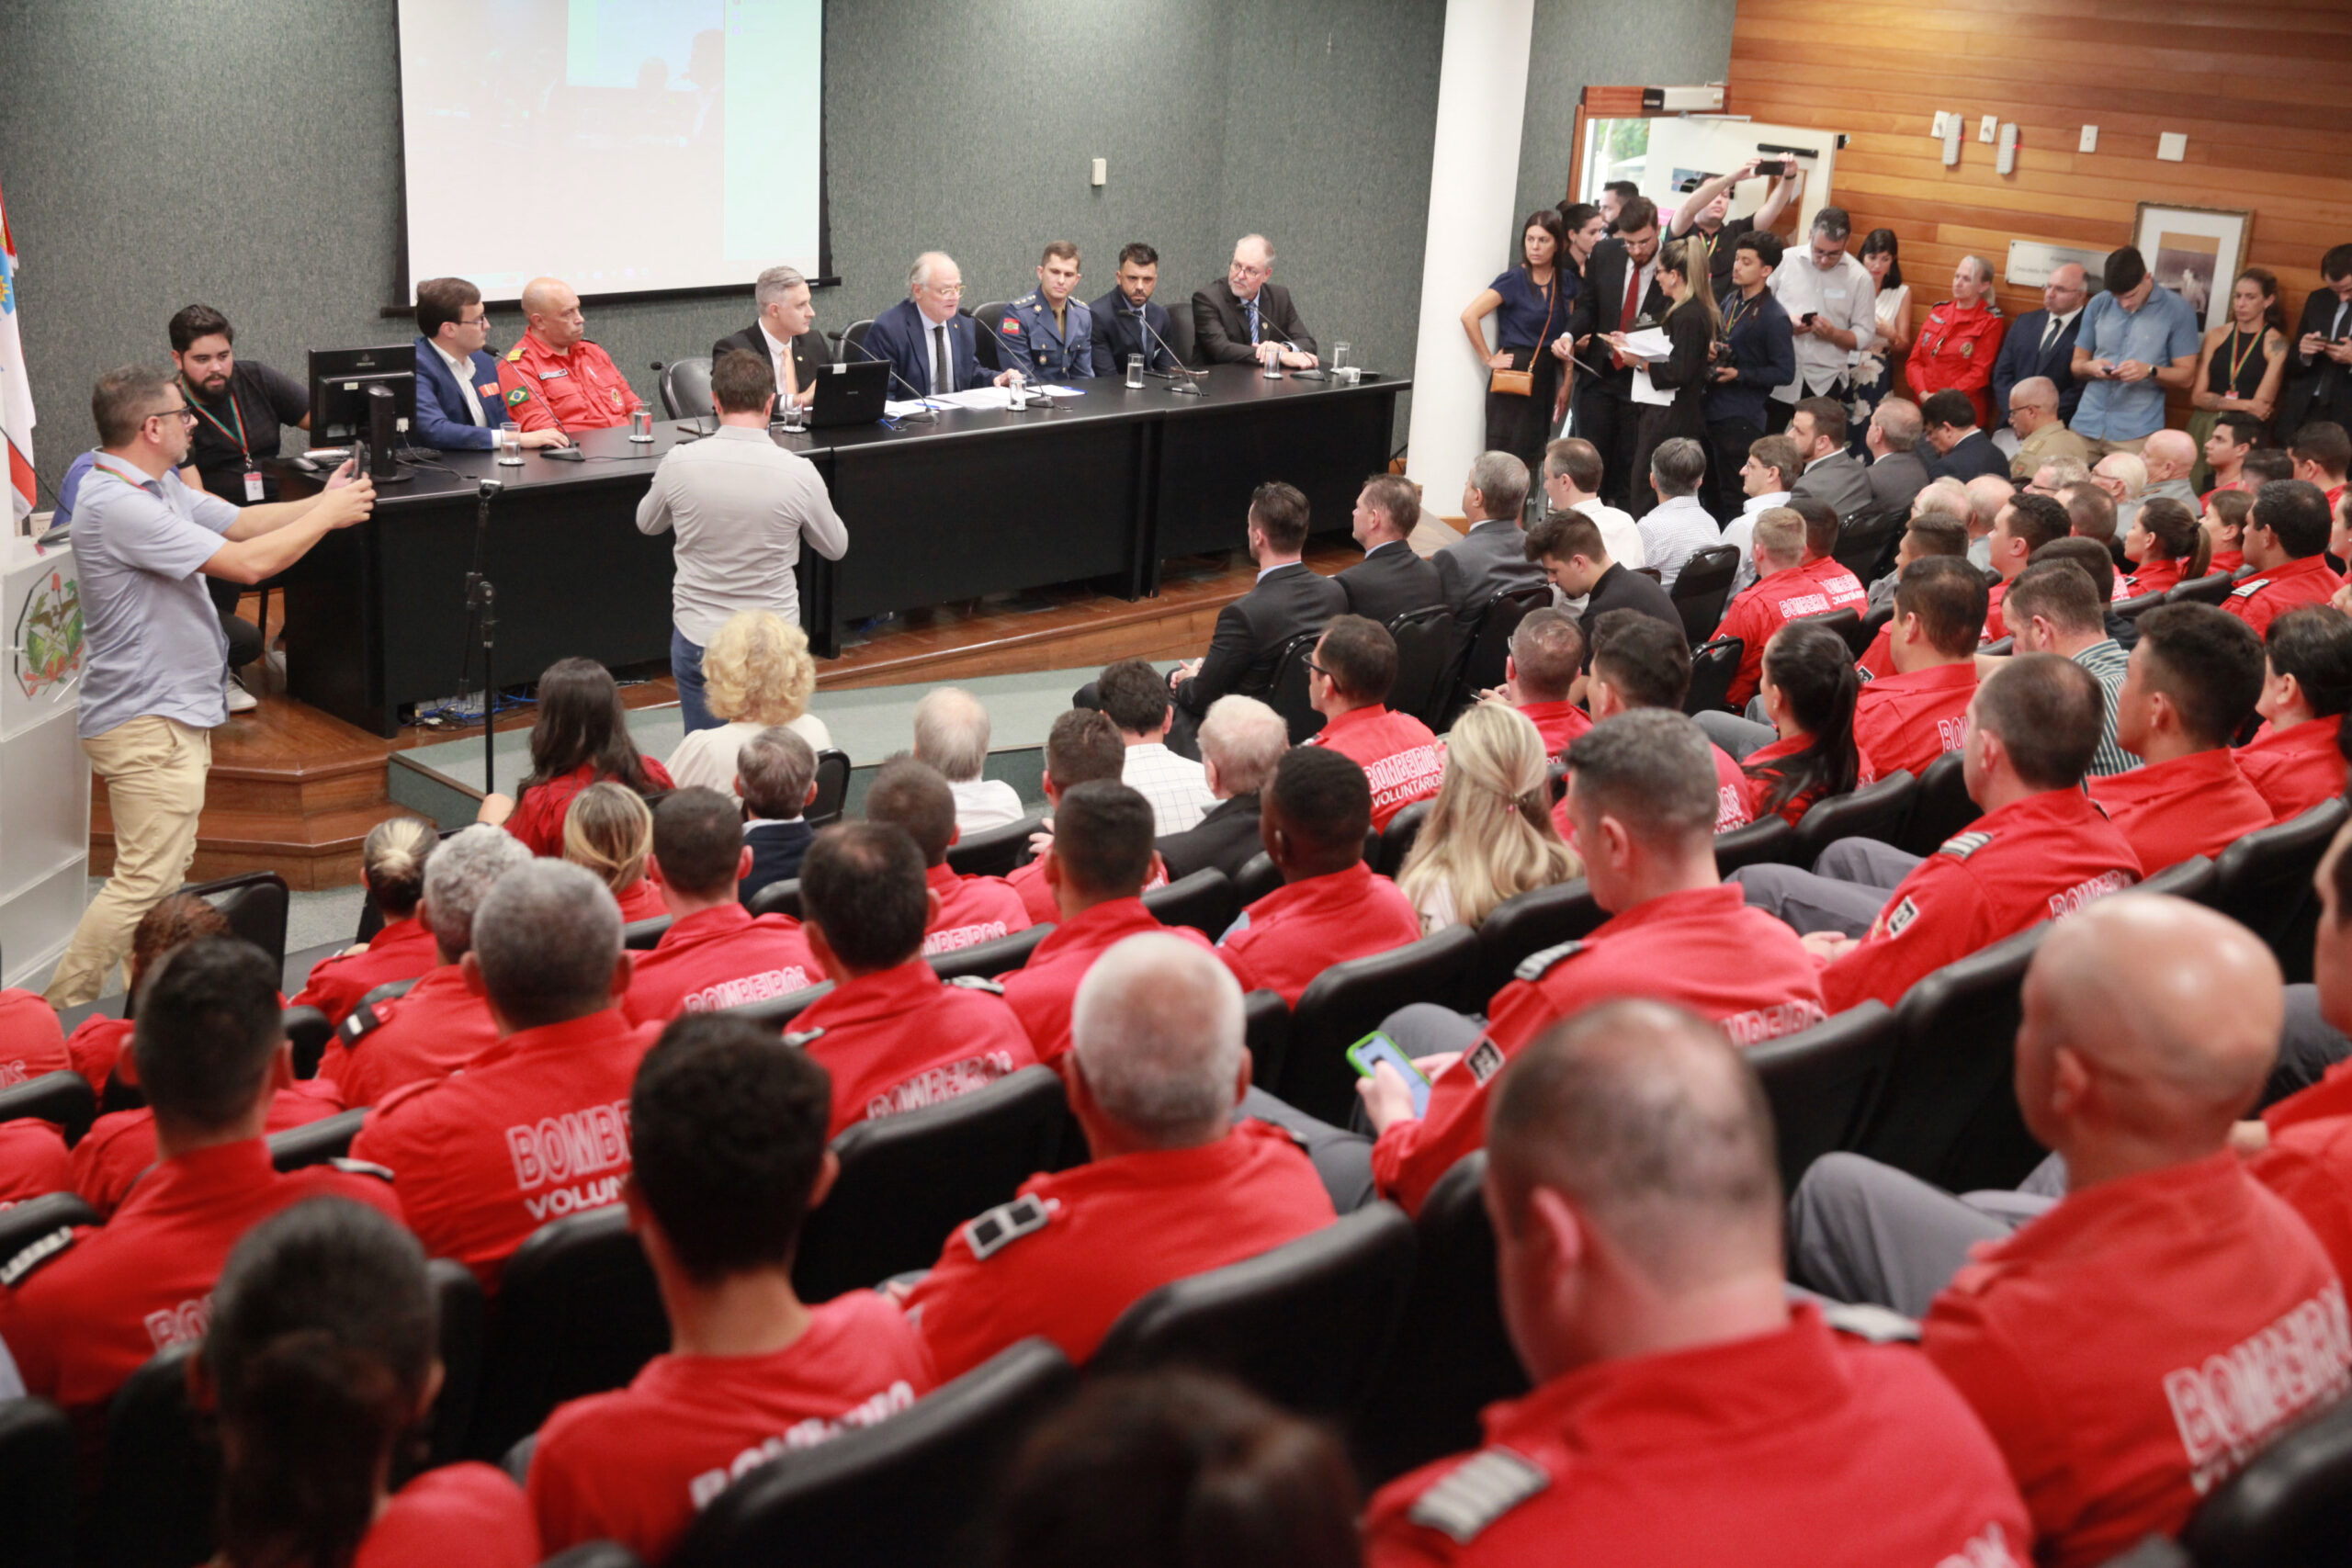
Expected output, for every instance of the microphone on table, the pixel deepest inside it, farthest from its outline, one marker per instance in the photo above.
(1182, 376)
(1019, 366)
(923, 415)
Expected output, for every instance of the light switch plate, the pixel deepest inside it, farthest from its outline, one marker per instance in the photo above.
(2090, 139)
(1101, 170)
(1988, 128)
(1942, 120)
(2172, 146)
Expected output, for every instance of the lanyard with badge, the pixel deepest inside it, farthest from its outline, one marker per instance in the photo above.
(244, 448)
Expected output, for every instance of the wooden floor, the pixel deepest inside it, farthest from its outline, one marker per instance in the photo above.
(295, 790)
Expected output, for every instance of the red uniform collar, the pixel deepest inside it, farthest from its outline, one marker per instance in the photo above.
(601, 1028)
(2300, 567)
(2311, 735)
(1934, 678)
(942, 879)
(2182, 775)
(1355, 718)
(2201, 1198)
(1203, 1165)
(540, 344)
(1539, 714)
(196, 1180)
(400, 933)
(2062, 807)
(705, 925)
(1691, 904)
(886, 993)
(1098, 927)
(1347, 886)
(442, 980)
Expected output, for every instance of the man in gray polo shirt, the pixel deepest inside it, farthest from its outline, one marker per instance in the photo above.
(144, 542)
(740, 505)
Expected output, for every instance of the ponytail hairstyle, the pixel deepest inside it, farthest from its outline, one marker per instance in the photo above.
(1489, 834)
(392, 864)
(2178, 534)
(321, 1355)
(1688, 259)
(581, 719)
(609, 829)
(1814, 671)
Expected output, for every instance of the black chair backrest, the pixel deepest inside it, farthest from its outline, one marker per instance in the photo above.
(1999, 646)
(1347, 1001)
(1451, 1357)
(2264, 881)
(578, 1313)
(37, 1482)
(1396, 841)
(1479, 663)
(1713, 665)
(779, 898)
(2290, 1507)
(1523, 925)
(1874, 811)
(990, 320)
(464, 1328)
(999, 851)
(1305, 1325)
(255, 906)
(907, 1181)
(1701, 588)
(308, 1031)
(912, 1491)
(1258, 877)
(645, 935)
(26, 1222)
(62, 1097)
(1863, 541)
(315, 1143)
(853, 347)
(2132, 609)
(1848, 624)
(1947, 1108)
(1872, 624)
(161, 1474)
(1820, 1080)
(1265, 1026)
(1939, 807)
(986, 960)
(1287, 693)
(1769, 842)
(2193, 879)
(1426, 641)
(2212, 590)
(1204, 901)
(686, 387)
(778, 1012)
(595, 1554)
(833, 788)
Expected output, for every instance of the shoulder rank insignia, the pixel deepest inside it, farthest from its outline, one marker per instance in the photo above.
(515, 354)
(2248, 589)
(19, 1268)
(1536, 965)
(1483, 1061)
(361, 1167)
(1476, 1493)
(977, 982)
(801, 1039)
(1962, 845)
(1000, 1227)
(1866, 1320)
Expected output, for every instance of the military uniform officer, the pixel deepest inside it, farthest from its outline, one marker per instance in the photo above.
(1047, 336)
(1960, 341)
(554, 377)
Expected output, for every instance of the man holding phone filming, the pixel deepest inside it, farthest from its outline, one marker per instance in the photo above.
(1833, 306)
(2319, 365)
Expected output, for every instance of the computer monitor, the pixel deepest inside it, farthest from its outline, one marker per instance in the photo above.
(340, 379)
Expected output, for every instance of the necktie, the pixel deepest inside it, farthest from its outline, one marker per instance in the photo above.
(943, 369)
(1253, 324)
(2050, 336)
(785, 379)
(1632, 296)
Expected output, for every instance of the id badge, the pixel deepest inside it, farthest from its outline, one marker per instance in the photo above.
(253, 486)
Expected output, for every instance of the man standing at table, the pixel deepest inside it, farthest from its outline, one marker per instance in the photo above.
(555, 379)
(145, 540)
(457, 409)
(786, 336)
(925, 338)
(1244, 317)
(1117, 332)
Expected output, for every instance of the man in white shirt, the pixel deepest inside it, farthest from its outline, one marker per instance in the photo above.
(1135, 697)
(1772, 467)
(1678, 527)
(740, 505)
(952, 734)
(1572, 474)
(784, 335)
(1833, 309)
(458, 407)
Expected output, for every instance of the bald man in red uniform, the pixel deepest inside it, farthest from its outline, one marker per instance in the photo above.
(1917, 711)
(1684, 1412)
(716, 953)
(1347, 682)
(2193, 678)
(2295, 759)
(554, 379)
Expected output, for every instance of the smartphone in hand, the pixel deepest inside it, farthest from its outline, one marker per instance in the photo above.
(1375, 1048)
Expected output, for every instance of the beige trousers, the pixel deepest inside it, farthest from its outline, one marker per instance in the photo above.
(154, 769)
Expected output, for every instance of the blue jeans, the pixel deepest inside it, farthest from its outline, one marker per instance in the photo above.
(686, 666)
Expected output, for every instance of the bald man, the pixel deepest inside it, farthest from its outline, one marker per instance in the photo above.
(1685, 1411)
(2041, 434)
(2170, 457)
(554, 379)
(2149, 1024)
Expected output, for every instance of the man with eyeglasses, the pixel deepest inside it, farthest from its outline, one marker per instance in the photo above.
(457, 404)
(555, 379)
(1243, 317)
(926, 339)
(144, 541)
(1832, 307)
(2040, 430)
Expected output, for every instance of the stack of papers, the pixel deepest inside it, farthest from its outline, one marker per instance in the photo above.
(982, 398)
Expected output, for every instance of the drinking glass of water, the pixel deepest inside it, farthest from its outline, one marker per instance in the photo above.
(509, 445)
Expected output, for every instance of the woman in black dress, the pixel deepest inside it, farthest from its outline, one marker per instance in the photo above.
(2242, 363)
(1530, 304)
(1693, 323)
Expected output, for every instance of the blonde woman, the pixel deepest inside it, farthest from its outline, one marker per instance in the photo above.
(1489, 836)
(391, 865)
(610, 830)
(756, 672)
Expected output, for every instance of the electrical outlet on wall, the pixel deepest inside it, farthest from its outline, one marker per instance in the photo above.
(2172, 146)
(1943, 124)
(1988, 128)
(2090, 139)
(1101, 170)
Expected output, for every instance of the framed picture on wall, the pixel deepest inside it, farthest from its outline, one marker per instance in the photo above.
(2196, 252)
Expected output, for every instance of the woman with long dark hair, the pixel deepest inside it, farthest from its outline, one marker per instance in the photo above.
(2242, 364)
(1693, 323)
(580, 737)
(1881, 257)
(1530, 304)
(1809, 691)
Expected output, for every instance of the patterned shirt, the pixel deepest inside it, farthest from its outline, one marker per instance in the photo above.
(2105, 661)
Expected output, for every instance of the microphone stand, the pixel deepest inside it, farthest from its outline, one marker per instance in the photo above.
(1020, 372)
(922, 415)
(1183, 382)
(481, 618)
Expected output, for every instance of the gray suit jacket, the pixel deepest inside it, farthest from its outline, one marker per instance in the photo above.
(1839, 480)
(1490, 558)
(1897, 480)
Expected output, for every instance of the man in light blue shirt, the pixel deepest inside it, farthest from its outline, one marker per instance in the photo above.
(1678, 527)
(2137, 341)
(143, 542)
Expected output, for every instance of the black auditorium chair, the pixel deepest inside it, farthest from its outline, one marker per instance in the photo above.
(645, 935)
(990, 320)
(2193, 879)
(1258, 877)
(1204, 901)
(1265, 1026)
(255, 906)
(1487, 644)
(578, 1313)
(23, 1224)
(984, 960)
(1863, 542)
(462, 1321)
(1713, 665)
(1396, 841)
(1819, 1081)
(1347, 1001)
(1426, 640)
(315, 1143)
(1287, 693)
(2290, 1507)
(1947, 1108)
(1526, 924)
(853, 347)
(1872, 624)
(686, 386)
(2212, 590)
(1769, 842)
(308, 1031)
(907, 1181)
(1305, 1325)
(1702, 588)
(37, 1482)
(998, 852)
(595, 1554)
(782, 898)
(832, 787)
(2132, 609)
(160, 1478)
(778, 1012)
(2264, 882)
(1848, 624)
(1874, 811)
(912, 1492)
(1940, 808)
(62, 1097)
(1451, 1357)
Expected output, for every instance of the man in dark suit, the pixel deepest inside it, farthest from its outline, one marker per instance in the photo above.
(1620, 294)
(1948, 422)
(1242, 316)
(2041, 342)
(458, 407)
(1896, 474)
(1248, 643)
(1391, 581)
(1241, 741)
(924, 338)
(784, 337)
(2319, 358)
(776, 773)
(1832, 475)
(1493, 555)
(1117, 331)
(1577, 565)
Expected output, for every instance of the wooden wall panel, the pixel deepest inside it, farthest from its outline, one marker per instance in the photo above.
(2258, 88)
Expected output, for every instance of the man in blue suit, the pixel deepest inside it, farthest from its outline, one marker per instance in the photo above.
(2041, 342)
(923, 337)
(457, 408)
(1116, 332)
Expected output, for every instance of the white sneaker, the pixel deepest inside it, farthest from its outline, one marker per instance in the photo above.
(241, 700)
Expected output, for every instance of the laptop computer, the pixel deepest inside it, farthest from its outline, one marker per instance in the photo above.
(849, 393)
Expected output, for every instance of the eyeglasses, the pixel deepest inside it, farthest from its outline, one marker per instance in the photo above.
(185, 414)
(946, 290)
(1316, 668)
